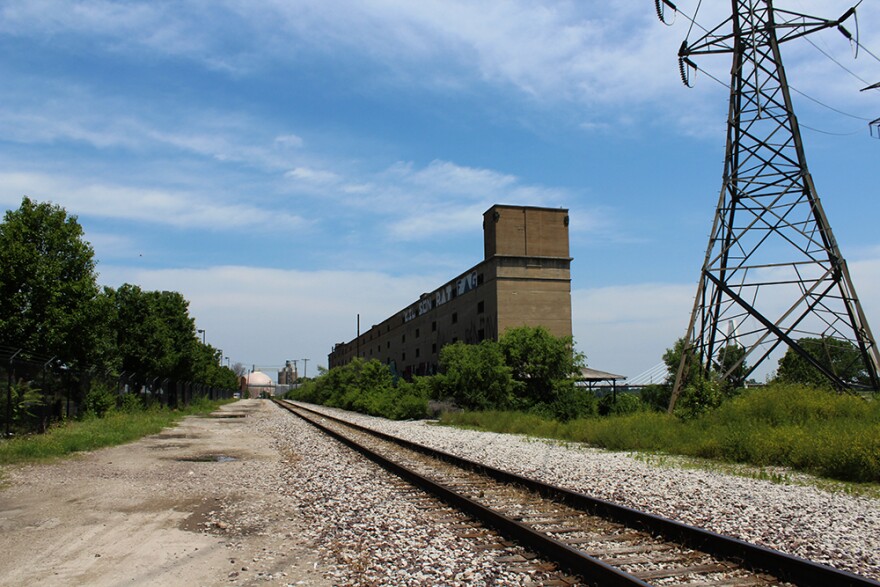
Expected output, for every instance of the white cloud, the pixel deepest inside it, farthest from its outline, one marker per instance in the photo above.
(153, 206)
(268, 316)
(310, 175)
(626, 329)
(583, 52)
(290, 140)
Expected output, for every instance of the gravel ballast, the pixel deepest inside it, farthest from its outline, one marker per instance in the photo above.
(837, 529)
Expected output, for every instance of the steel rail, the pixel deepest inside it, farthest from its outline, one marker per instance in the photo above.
(591, 569)
(785, 567)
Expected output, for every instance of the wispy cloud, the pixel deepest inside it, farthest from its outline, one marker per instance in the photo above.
(152, 206)
(602, 59)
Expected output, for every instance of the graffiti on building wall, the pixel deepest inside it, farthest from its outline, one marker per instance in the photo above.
(467, 283)
(441, 296)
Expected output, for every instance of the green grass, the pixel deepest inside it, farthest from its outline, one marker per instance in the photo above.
(94, 433)
(817, 432)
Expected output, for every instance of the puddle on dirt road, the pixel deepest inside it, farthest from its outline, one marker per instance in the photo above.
(213, 458)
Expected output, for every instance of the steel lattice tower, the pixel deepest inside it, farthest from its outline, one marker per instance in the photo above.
(773, 272)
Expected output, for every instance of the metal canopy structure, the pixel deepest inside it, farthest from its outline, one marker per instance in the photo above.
(773, 273)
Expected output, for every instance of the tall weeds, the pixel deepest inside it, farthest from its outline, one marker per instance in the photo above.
(820, 432)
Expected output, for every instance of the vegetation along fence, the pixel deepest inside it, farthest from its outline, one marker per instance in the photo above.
(37, 390)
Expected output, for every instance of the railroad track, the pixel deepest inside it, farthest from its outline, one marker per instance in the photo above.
(601, 542)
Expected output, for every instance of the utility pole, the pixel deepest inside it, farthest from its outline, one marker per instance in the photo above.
(773, 273)
(305, 367)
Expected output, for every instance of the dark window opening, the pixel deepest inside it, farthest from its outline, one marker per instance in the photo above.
(481, 307)
(455, 317)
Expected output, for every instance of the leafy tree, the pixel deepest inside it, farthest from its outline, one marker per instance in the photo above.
(672, 358)
(656, 396)
(728, 357)
(475, 376)
(239, 370)
(841, 357)
(155, 334)
(48, 289)
(538, 360)
(703, 391)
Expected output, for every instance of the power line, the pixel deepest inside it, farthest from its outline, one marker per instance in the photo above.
(839, 64)
(808, 97)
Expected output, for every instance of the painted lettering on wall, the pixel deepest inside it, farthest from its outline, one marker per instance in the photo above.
(441, 296)
(467, 283)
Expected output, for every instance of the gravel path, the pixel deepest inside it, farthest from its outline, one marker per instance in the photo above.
(832, 528)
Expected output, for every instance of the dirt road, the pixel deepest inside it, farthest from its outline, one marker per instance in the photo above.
(193, 505)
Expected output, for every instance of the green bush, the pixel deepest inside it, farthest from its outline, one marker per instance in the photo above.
(474, 376)
(656, 396)
(367, 387)
(130, 403)
(699, 398)
(99, 400)
(619, 404)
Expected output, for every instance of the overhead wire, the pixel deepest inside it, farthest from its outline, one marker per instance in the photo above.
(839, 64)
(855, 41)
(833, 109)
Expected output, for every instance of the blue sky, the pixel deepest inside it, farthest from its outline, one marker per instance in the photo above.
(289, 164)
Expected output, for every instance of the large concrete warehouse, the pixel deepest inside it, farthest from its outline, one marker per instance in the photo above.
(523, 280)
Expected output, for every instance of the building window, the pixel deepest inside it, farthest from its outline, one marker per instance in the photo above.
(417, 353)
(434, 348)
(402, 338)
(479, 279)
(455, 317)
(481, 335)
(454, 339)
(434, 326)
(402, 357)
(481, 307)
(388, 345)
(417, 332)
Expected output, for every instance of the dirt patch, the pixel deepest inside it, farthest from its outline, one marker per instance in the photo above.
(187, 514)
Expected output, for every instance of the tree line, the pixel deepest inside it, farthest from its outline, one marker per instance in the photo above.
(529, 370)
(526, 369)
(52, 306)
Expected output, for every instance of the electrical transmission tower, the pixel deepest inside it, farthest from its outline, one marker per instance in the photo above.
(773, 274)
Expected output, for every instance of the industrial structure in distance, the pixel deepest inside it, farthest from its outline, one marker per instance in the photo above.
(523, 280)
